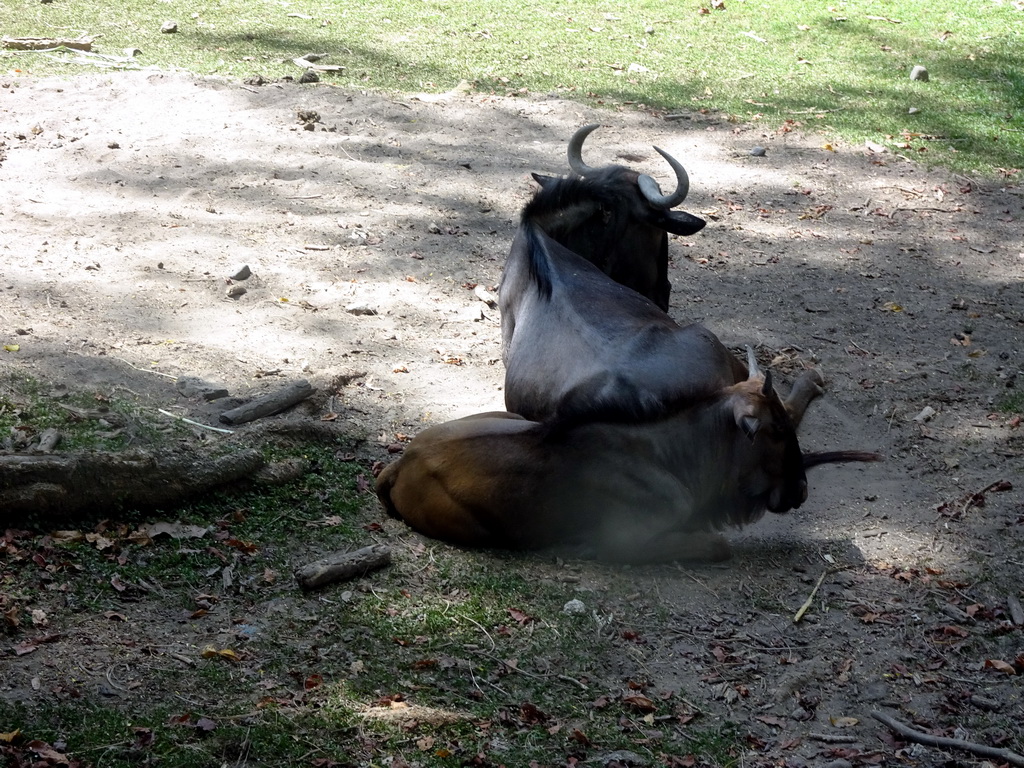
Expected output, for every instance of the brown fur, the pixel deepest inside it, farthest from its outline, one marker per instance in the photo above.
(645, 492)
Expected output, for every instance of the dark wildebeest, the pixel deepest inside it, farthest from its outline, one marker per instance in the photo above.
(578, 346)
(615, 218)
(628, 492)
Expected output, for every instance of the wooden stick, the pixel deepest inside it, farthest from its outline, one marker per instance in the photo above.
(832, 738)
(195, 423)
(270, 404)
(942, 741)
(810, 599)
(343, 566)
(48, 440)
(1016, 612)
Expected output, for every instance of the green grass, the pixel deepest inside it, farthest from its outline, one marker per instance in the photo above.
(84, 421)
(481, 639)
(841, 68)
(1011, 402)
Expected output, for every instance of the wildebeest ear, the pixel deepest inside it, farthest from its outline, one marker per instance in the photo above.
(680, 223)
(544, 181)
(767, 389)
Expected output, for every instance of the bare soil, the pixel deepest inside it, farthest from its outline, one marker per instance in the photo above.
(127, 202)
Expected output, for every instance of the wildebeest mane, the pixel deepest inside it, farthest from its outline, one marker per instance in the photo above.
(568, 202)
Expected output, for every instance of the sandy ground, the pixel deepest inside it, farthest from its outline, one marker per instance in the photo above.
(127, 202)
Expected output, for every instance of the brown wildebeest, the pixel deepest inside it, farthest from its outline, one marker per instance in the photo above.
(652, 491)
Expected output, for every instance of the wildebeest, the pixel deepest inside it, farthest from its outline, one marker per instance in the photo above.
(579, 346)
(629, 492)
(615, 218)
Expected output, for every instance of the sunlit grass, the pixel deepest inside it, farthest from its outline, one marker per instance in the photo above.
(842, 69)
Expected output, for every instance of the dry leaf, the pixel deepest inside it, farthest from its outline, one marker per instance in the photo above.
(843, 722)
(519, 616)
(639, 703)
(209, 652)
(1001, 666)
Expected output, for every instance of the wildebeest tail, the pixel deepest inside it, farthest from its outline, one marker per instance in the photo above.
(814, 458)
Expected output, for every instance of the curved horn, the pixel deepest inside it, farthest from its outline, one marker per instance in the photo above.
(652, 192)
(575, 151)
(753, 372)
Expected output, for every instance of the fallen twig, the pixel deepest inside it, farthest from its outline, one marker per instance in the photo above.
(270, 404)
(1016, 611)
(832, 738)
(147, 370)
(343, 566)
(196, 423)
(928, 740)
(38, 44)
(810, 599)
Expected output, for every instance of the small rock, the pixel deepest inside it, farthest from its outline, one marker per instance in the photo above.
(169, 27)
(574, 607)
(845, 579)
(758, 152)
(360, 309)
(243, 273)
(982, 702)
(919, 73)
(800, 714)
(309, 76)
(925, 415)
(131, 53)
(913, 111)
(434, 229)
(113, 145)
(485, 296)
(235, 291)
(193, 386)
(308, 116)
(621, 756)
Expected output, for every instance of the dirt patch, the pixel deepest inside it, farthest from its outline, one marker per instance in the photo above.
(127, 202)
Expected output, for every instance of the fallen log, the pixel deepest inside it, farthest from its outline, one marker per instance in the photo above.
(343, 566)
(270, 404)
(59, 485)
(47, 43)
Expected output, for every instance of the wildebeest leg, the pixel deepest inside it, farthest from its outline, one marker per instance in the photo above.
(701, 546)
(807, 387)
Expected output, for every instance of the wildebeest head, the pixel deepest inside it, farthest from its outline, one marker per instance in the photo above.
(616, 218)
(770, 464)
